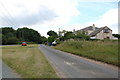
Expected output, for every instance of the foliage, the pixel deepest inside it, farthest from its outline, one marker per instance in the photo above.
(43, 39)
(11, 36)
(27, 34)
(117, 35)
(105, 51)
(51, 39)
(0, 39)
(8, 34)
(12, 40)
(82, 36)
(52, 33)
(9, 31)
(69, 35)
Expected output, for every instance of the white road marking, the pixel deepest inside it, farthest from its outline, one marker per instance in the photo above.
(69, 63)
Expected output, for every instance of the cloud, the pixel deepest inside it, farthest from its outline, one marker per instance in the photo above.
(31, 19)
(41, 15)
(109, 18)
(45, 15)
(98, 0)
(42, 12)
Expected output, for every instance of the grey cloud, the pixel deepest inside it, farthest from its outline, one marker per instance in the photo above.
(30, 19)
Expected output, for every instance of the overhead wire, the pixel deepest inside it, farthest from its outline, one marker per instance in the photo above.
(7, 15)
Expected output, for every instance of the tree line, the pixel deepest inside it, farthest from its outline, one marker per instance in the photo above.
(65, 35)
(12, 36)
(8, 35)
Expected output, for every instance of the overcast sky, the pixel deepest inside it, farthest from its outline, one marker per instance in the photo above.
(45, 15)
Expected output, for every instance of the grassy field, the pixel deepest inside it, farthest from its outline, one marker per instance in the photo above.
(28, 61)
(105, 51)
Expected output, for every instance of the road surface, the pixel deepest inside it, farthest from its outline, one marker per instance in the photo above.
(70, 66)
(7, 72)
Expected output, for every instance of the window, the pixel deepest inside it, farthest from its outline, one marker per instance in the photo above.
(106, 30)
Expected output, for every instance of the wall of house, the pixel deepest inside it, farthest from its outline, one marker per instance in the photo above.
(103, 35)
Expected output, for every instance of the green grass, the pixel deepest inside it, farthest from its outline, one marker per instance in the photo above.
(105, 51)
(27, 61)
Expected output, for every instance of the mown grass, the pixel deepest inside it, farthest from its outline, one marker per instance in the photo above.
(27, 61)
(105, 51)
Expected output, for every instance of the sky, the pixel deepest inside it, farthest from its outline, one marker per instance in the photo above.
(46, 15)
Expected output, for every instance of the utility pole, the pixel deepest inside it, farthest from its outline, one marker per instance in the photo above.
(59, 32)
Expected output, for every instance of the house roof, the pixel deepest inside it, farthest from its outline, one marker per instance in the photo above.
(97, 31)
(88, 28)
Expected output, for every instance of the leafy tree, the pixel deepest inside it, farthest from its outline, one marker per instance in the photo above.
(7, 32)
(11, 36)
(52, 33)
(27, 34)
(12, 40)
(117, 35)
(43, 39)
(69, 35)
(4, 39)
(0, 36)
(51, 39)
(82, 36)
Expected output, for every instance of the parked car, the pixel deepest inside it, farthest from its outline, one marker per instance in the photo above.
(54, 43)
(24, 44)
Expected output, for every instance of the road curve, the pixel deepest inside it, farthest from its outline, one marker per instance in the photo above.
(69, 66)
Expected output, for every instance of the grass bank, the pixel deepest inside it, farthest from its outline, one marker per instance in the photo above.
(28, 61)
(105, 51)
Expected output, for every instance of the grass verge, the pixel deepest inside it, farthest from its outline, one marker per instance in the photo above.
(27, 61)
(105, 51)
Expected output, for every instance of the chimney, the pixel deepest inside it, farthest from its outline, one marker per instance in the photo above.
(74, 31)
(93, 27)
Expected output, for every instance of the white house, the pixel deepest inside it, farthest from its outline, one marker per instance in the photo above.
(97, 33)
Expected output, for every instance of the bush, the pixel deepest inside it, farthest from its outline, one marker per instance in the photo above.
(51, 39)
(101, 50)
(26, 42)
(12, 40)
(4, 39)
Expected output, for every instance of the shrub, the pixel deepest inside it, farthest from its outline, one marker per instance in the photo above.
(12, 40)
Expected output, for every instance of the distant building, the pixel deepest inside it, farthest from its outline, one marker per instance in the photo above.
(97, 33)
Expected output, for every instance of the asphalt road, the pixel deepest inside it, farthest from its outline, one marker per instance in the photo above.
(7, 72)
(70, 66)
(0, 69)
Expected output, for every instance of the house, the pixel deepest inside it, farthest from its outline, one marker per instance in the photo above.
(97, 33)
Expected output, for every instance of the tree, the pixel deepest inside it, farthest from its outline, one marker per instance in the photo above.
(26, 34)
(117, 35)
(0, 39)
(69, 35)
(6, 30)
(52, 33)
(43, 39)
(4, 39)
(8, 33)
(12, 40)
(51, 39)
(82, 36)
